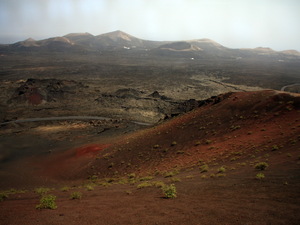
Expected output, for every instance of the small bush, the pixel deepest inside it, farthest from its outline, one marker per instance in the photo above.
(131, 175)
(42, 190)
(222, 170)
(208, 142)
(260, 176)
(144, 185)
(65, 189)
(220, 175)
(146, 178)
(261, 166)
(93, 177)
(203, 168)
(171, 173)
(197, 143)
(89, 187)
(158, 184)
(175, 179)
(47, 202)
(76, 195)
(169, 191)
(104, 184)
(3, 196)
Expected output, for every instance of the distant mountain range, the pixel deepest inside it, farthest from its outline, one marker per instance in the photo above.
(121, 41)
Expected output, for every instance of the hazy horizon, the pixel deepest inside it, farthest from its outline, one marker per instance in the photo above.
(232, 23)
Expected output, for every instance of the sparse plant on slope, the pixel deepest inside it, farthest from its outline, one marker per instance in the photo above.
(76, 195)
(47, 202)
(261, 166)
(42, 190)
(203, 168)
(171, 173)
(144, 185)
(222, 170)
(260, 176)
(158, 184)
(173, 143)
(89, 187)
(65, 189)
(169, 191)
(3, 196)
(175, 179)
(146, 178)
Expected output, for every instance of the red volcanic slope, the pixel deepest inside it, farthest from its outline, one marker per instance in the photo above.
(244, 124)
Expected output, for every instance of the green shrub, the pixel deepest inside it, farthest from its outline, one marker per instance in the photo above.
(173, 143)
(42, 190)
(65, 189)
(261, 166)
(220, 175)
(131, 175)
(203, 168)
(203, 176)
(3, 196)
(47, 202)
(222, 170)
(260, 176)
(169, 191)
(175, 179)
(89, 187)
(93, 177)
(146, 178)
(158, 184)
(171, 173)
(197, 143)
(104, 184)
(208, 142)
(144, 185)
(76, 195)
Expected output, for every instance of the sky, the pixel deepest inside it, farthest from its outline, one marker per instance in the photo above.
(232, 23)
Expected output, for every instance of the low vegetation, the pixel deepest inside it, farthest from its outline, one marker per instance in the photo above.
(76, 195)
(144, 185)
(171, 173)
(47, 202)
(203, 168)
(65, 189)
(222, 170)
(42, 190)
(169, 191)
(260, 176)
(3, 196)
(261, 166)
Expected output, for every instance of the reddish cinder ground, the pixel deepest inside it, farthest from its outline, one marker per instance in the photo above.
(235, 131)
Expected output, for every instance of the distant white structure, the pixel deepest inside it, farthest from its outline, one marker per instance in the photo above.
(192, 58)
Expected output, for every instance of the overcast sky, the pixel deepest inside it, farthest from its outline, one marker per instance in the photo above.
(232, 23)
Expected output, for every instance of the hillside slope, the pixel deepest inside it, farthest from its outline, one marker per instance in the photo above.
(233, 126)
